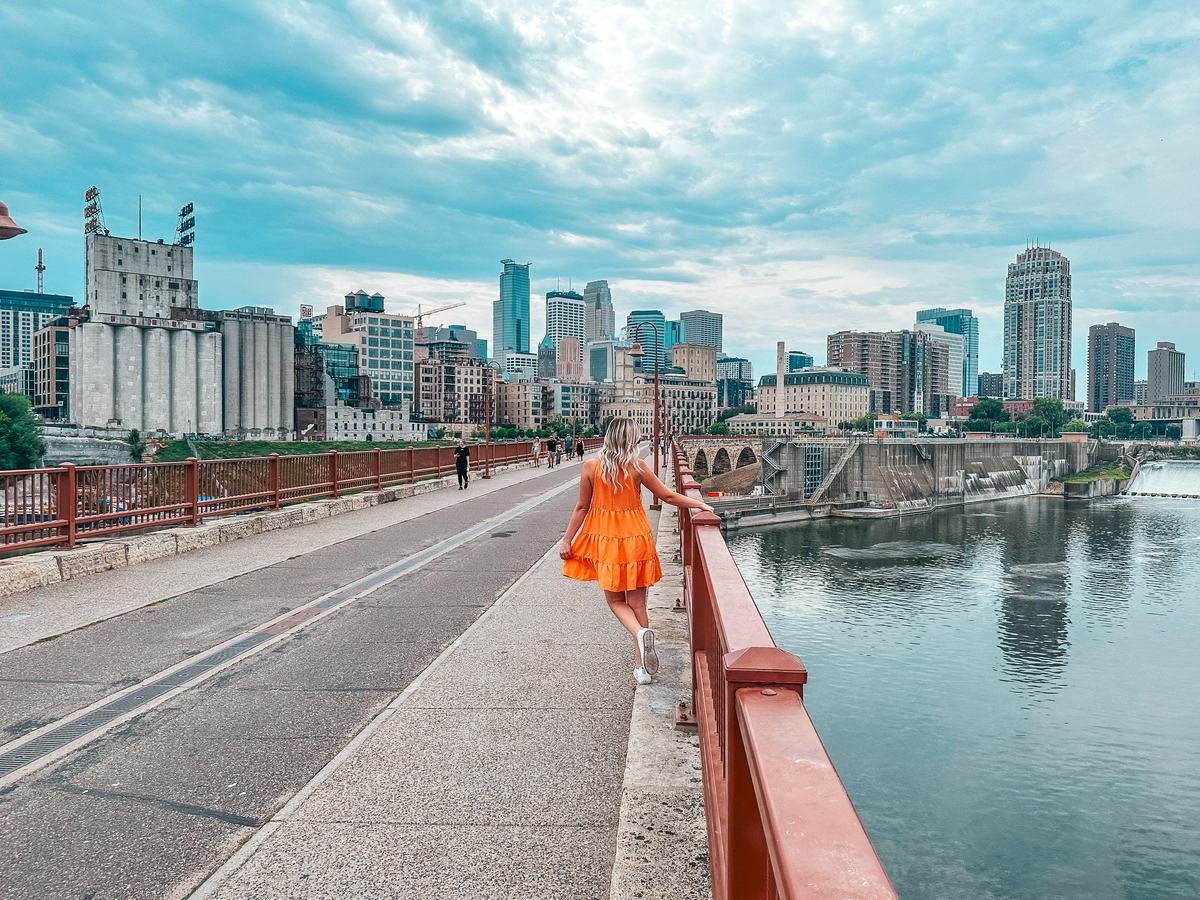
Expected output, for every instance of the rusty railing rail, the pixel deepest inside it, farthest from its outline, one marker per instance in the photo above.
(780, 824)
(56, 507)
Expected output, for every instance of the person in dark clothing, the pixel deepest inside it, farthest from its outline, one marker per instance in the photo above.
(462, 459)
(579, 448)
(551, 451)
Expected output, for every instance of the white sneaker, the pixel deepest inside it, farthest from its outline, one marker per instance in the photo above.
(641, 676)
(645, 638)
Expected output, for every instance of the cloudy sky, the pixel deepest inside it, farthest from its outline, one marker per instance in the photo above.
(800, 167)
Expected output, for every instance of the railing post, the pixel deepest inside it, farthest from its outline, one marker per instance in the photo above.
(333, 473)
(273, 473)
(67, 501)
(191, 489)
(412, 466)
(378, 460)
(747, 860)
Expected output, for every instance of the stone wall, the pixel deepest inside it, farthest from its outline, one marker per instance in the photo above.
(85, 451)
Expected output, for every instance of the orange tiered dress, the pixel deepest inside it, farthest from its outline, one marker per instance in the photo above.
(614, 545)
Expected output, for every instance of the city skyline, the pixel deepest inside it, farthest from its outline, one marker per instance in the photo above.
(862, 213)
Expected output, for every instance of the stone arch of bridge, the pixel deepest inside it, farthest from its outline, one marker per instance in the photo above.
(700, 464)
(721, 463)
(746, 458)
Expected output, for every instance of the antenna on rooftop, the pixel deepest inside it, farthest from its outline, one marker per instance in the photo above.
(139, 217)
(40, 268)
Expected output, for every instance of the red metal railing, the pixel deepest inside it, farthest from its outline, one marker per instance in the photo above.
(780, 824)
(57, 507)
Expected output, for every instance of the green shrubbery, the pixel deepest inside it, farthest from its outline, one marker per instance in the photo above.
(20, 445)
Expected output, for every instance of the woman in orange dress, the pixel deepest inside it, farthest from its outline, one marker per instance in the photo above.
(608, 539)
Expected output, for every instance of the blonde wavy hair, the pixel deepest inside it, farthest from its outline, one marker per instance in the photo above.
(619, 450)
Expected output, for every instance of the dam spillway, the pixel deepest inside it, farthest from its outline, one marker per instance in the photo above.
(1167, 478)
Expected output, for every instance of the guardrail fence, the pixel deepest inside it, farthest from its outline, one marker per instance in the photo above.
(780, 824)
(57, 507)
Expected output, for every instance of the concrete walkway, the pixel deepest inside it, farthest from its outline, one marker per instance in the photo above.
(496, 774)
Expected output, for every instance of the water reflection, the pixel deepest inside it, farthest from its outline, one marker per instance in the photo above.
(1032, 610)
(1005, 689)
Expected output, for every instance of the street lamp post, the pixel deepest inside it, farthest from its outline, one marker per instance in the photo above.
(489, 384)
(636, 352)
(8, 228)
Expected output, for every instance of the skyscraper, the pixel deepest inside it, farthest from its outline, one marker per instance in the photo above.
(1164, 372)
(1110, 366)
(908, 371)
(954, 347)
(601, 322)
(702, 328)
(675, 334)
(798, 359)
(653, 343)
(510, 313)
(566, 317)
(959, 321)
(22, 313)
(1037, 326)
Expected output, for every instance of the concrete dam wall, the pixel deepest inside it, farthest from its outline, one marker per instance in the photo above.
(912, 475)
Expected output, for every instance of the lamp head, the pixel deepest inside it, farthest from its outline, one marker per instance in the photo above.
(8, 228)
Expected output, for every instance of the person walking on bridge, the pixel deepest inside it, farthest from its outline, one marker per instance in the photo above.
(609, 541)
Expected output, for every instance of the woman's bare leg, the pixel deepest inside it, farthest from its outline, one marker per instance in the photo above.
(637, 602)
(628, 617)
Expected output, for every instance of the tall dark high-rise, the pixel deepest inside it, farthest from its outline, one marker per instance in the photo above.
(1037, 326)
(1110, 366)
(510, 312)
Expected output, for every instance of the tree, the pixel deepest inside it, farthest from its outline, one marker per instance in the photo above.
(1120, 415)
(1075, 425)
(1103, 428)
(989, 409)
(736, 410)
(1174, 432)
(136, 444)
(862, 423)
(718, 427)
(20, 445)
(1049, 410)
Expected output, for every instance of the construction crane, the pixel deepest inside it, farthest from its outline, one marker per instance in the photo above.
(40, 268)
(432, 312)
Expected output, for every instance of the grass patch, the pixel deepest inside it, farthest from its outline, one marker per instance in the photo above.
(1100, 472)
(178, 451)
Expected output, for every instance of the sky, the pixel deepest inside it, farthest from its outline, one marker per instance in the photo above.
(799, 167)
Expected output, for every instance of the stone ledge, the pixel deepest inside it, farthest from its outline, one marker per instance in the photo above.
(48, 567)
(662, 837)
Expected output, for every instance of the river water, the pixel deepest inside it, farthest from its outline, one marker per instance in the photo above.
(1010, 691)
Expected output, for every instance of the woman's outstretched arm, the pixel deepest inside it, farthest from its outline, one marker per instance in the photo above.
(655, 486)
(582, 505)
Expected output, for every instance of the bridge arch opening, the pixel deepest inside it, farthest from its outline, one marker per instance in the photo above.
(746, 458)
(700, 464)
(721, 463)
